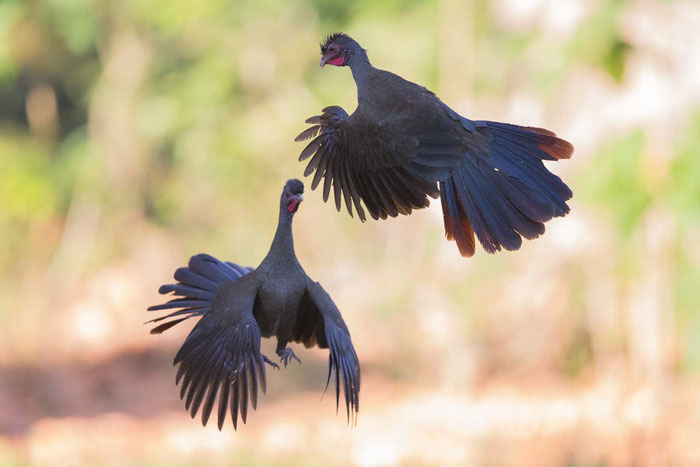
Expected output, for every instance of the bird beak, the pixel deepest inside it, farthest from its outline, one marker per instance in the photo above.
(324, 60)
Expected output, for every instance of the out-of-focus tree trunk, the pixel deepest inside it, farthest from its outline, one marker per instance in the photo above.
(126, 58)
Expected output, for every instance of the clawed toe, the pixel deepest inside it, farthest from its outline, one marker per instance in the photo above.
(287, 356)
(271, 363)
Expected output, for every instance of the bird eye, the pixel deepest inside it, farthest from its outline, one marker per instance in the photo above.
(331, 48)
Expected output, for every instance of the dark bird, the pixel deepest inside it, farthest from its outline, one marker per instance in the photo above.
(403, 144)
(237, 306)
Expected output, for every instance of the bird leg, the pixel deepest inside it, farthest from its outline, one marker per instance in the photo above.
(286, 355)
(270, 362)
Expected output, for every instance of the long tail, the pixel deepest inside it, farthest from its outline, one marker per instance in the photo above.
(507, 194)
(197, 285)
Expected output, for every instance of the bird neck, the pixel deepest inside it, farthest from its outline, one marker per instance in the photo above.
(283, 243)
(360, 66)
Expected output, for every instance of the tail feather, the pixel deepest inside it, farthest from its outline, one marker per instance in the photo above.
(513, 222)
(508, 193)
(213, 269)
(544, 141)
(187, 276)
(186, 291)
(457, 225)
(165, 326)
(528, 203)
(197, 286)
(462, 198)
(492, 231)
(529, 148)
(532, 174)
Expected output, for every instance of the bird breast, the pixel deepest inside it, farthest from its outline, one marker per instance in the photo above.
(278, 306)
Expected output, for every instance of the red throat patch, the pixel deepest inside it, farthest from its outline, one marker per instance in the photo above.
(338, 61)
(293, 205)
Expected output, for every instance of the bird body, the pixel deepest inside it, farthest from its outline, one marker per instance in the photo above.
(402, 144)
(282, 286)
(240, 305)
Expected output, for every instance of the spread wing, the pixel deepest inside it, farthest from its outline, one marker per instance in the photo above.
(490, 175)
(364, 161)
(319, 323)
(221, 355)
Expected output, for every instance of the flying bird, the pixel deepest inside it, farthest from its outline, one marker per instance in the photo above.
(238, 306)
(403, 144)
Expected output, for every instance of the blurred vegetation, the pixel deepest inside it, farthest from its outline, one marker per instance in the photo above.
(125, 125)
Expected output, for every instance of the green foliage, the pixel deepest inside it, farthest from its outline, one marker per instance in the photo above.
(614, 181)
(599, 40)
(9, 12)
(683, 195)
(75, 23)
(578, 354)
(334, 12)
(684, 181)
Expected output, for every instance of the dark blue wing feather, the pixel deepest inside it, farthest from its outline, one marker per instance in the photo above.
(221, 355)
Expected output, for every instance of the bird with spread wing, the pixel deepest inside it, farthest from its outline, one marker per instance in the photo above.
(238, 305)
(402, 144)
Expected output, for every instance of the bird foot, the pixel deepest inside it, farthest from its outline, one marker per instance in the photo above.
(287, 355)
(270, 362)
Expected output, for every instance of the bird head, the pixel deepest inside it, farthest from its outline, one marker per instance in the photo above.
(338, 49)
(292, 195)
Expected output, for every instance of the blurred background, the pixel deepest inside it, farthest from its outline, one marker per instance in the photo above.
(135, 134)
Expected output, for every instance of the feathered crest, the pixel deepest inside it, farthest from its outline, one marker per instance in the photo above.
(294, 186)
(330, 39)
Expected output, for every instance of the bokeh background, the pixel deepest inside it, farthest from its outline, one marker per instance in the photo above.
(134, 134)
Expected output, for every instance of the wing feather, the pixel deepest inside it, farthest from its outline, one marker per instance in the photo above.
(221, 355)
(348, 154)
(391, 163)
(319, 322)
